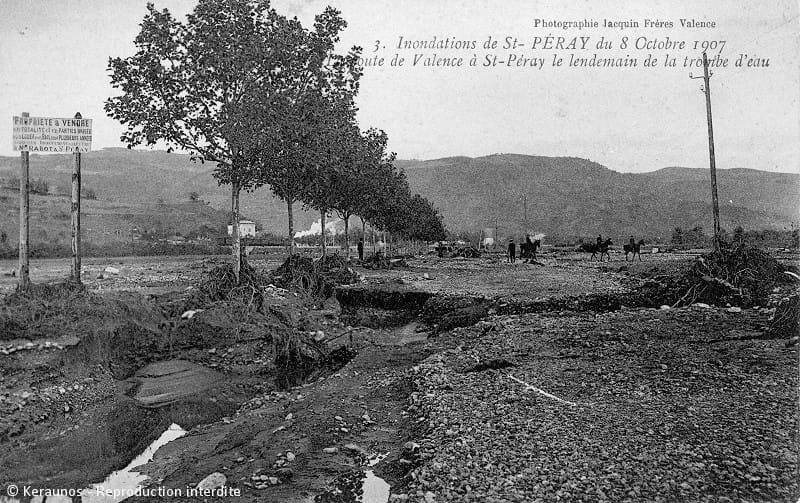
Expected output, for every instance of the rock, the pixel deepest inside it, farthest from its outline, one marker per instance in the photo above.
(273, 481)
(112, 270)
(213, 481)
(734, 309)
(290, 456)
(289, 416)
(430, 497)
(330, 450)
(338, 418)
(187, 315)
(665, 307)
(355, 448)
(411, 447)
(319, 336)
(701, 305)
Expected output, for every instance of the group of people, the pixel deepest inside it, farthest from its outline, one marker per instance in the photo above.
(527, 249)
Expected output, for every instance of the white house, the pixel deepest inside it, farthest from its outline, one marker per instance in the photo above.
(246, 228)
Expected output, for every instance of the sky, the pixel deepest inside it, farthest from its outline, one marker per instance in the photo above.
(54, 55)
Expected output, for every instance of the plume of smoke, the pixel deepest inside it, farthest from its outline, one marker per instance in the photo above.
(316, 228)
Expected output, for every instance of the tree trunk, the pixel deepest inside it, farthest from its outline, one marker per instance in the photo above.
(237, 244)
(346, 238)
(324, 243)
(291, 228)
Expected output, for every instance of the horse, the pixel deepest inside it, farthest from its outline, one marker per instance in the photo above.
(528, 251)
(635, 249)
(595, 248)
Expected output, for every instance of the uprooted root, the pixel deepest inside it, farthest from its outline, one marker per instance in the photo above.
(786, 321)
(318, 278)
(296, 356)
(299, 357)
(738, 274)
(41, 304)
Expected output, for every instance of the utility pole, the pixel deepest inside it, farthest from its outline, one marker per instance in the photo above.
(24, 220)
(712, 161)
(495, 232)
(525, 206)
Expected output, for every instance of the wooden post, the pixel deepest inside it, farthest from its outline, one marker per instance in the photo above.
(24, 212)
(324, 243)
(75, 214)
(712, 161)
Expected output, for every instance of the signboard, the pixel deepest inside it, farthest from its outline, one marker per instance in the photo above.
(47, 134)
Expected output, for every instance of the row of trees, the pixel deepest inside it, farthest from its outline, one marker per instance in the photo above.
(42, 187)
(772, 237)
(270, 103)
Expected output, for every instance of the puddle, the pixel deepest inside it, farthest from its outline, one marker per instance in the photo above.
(358, 486)
(124, 482)
(121, 484)
(376, 490)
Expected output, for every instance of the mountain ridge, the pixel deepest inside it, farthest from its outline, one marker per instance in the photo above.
(564, 196)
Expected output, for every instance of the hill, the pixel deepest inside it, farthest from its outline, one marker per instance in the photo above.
(566, 197)
(575, 197)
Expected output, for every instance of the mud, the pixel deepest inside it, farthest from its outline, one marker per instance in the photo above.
(380, 305)
(123, 386)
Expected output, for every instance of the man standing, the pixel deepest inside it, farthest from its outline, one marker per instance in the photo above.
(361, 250)
(512, 251)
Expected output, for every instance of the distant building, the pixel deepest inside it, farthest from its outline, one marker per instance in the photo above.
(488, 237)
(247, 228)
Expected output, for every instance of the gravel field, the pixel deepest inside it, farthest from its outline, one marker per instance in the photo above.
(660, 409)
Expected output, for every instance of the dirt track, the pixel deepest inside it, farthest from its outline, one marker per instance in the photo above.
(673, 404)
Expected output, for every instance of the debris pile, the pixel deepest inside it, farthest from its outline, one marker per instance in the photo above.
(738, 274)
(316, 277)
(25, 313)
(465, 252)
(380, 261)
(786, 321)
